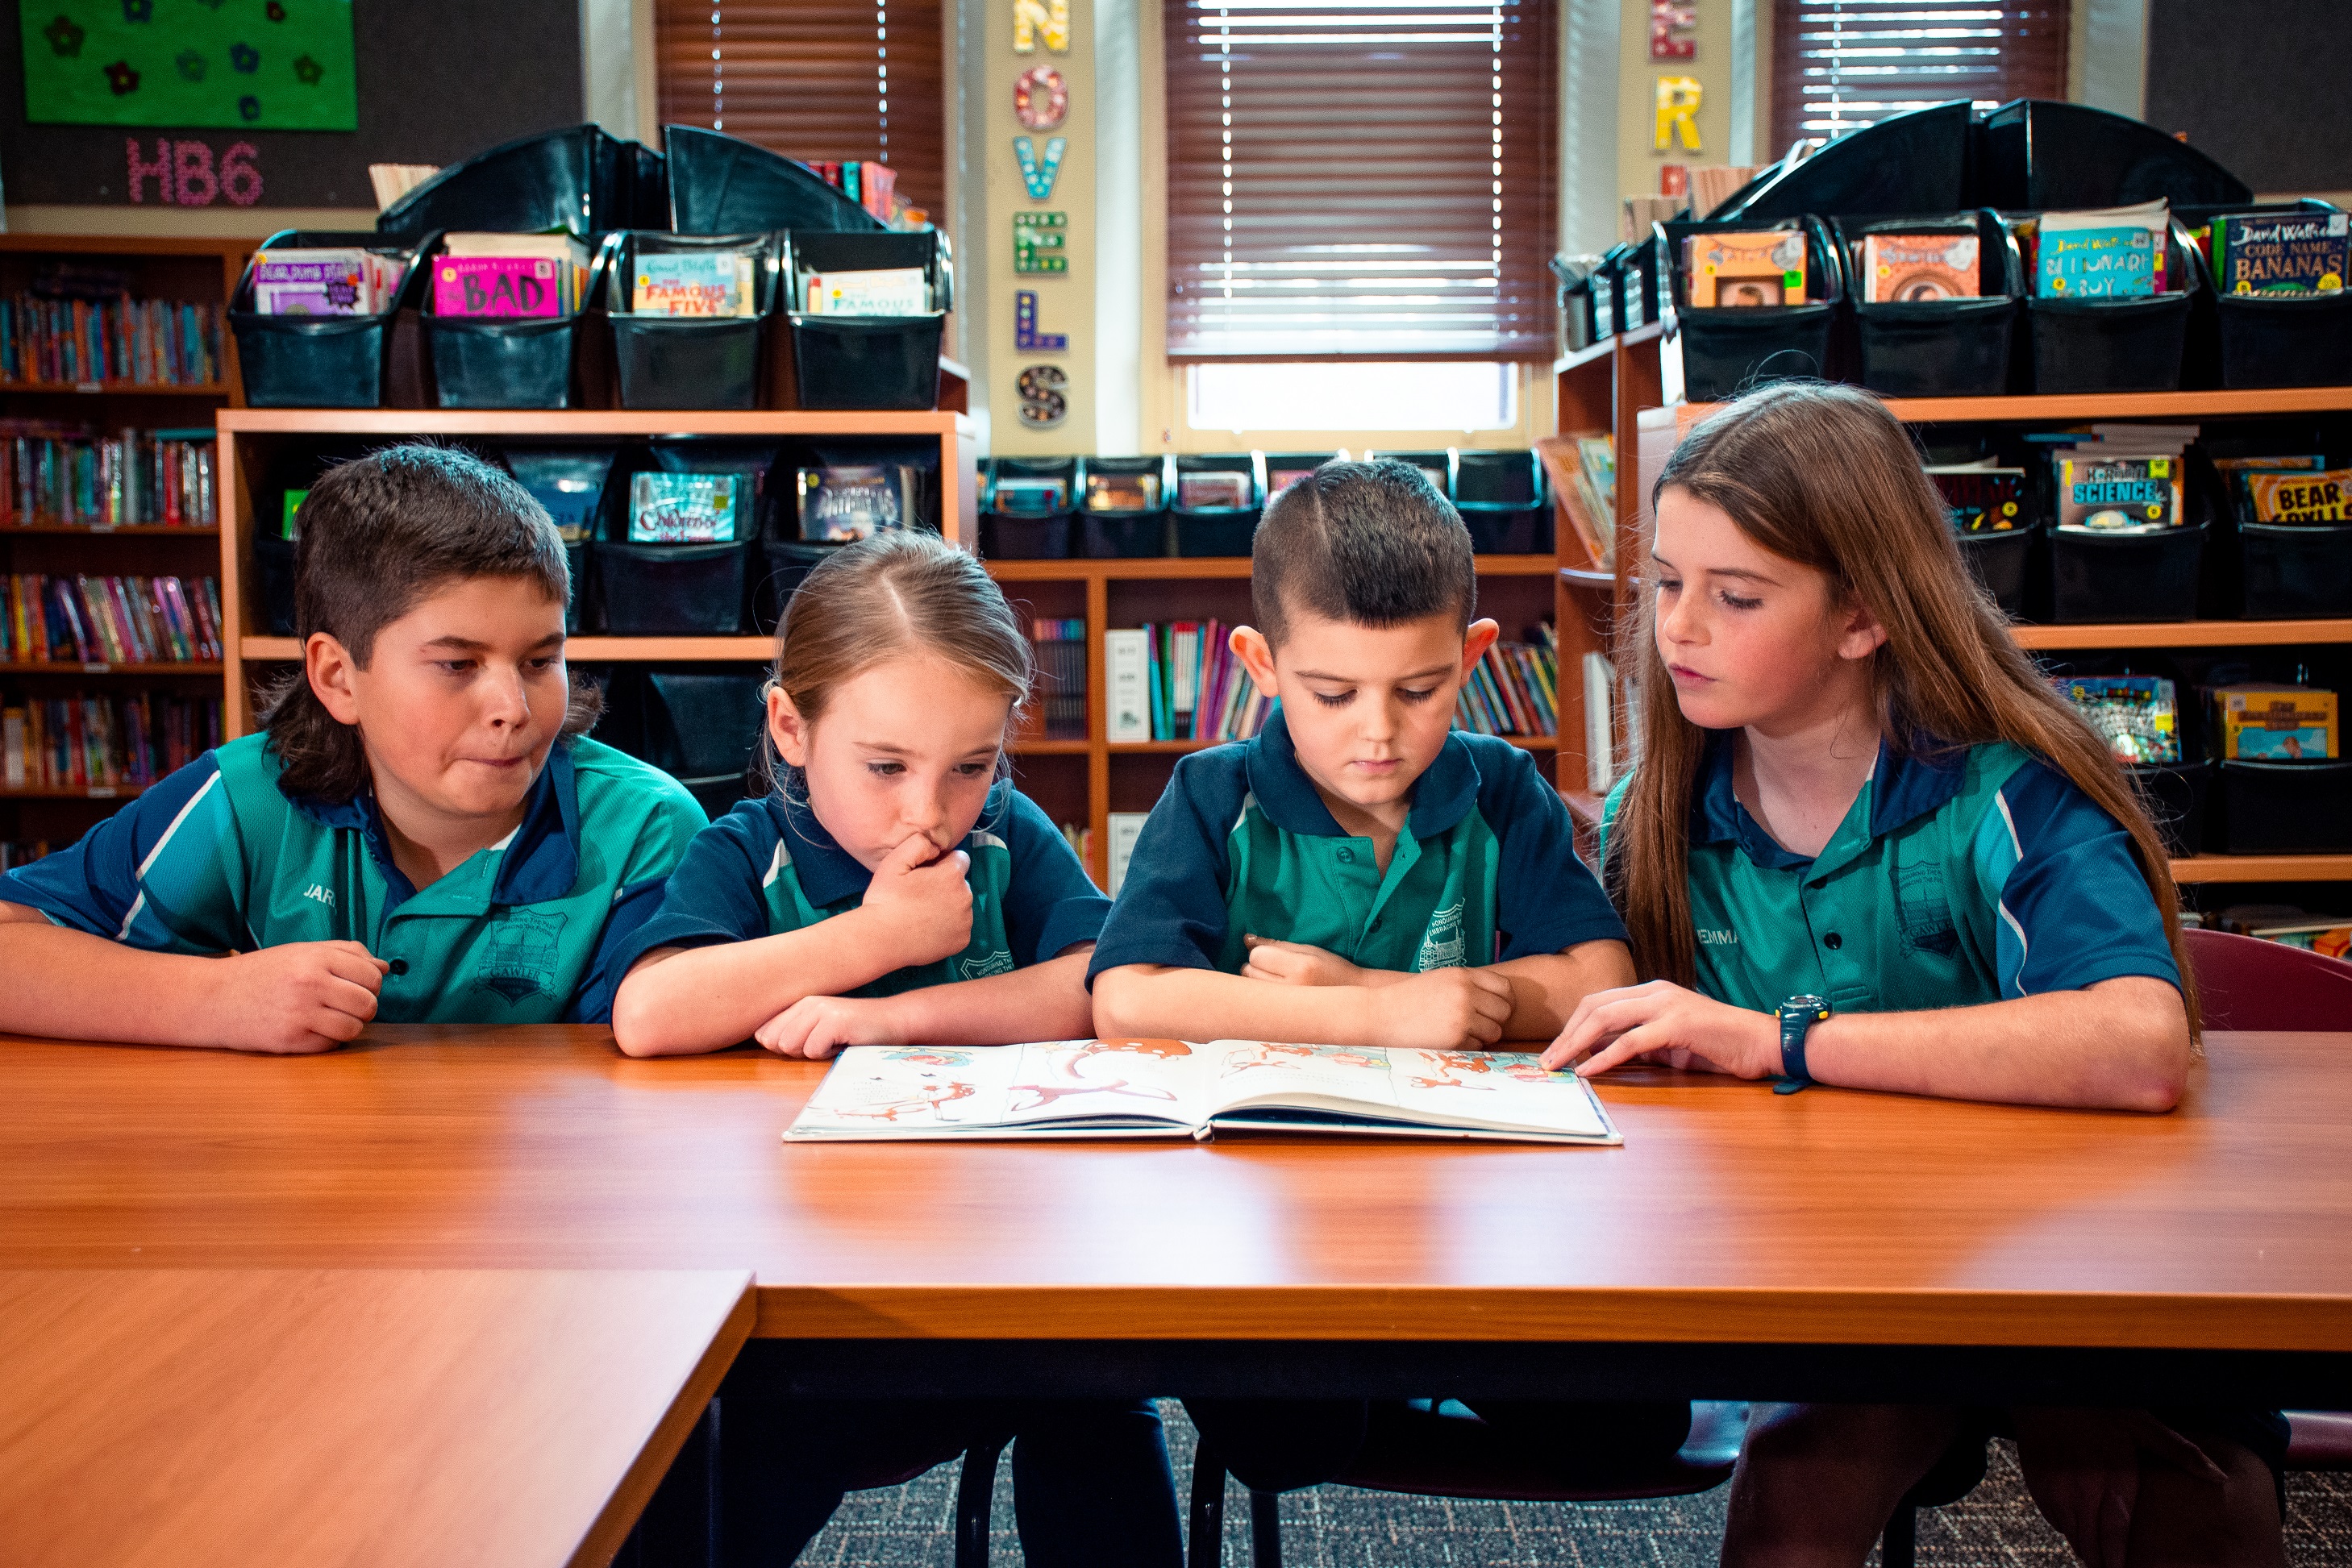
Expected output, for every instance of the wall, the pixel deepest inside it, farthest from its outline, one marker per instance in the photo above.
(2258, 86)
(438, 79)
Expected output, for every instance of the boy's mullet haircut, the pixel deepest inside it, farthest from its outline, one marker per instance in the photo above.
(379, 534)
(1370, 544)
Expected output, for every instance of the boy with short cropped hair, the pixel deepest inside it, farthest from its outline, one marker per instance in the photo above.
(1361, 873)
(421, 833)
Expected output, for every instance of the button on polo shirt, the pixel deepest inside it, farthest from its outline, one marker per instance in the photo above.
(770, 866)
(1959, 876)
(1241, 844)
(218, 859)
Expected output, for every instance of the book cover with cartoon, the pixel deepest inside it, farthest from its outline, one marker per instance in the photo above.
(1168, 1088)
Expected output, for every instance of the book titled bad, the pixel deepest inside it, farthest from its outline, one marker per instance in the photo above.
(1174, 1089)
(686, 508)
(497, 286)
(2110, 253)
(2300, 254)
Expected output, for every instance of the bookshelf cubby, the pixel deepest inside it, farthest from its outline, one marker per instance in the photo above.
(1616, 385)
(201, 270)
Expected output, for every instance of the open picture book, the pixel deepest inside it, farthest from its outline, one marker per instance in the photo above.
(1167, 1088)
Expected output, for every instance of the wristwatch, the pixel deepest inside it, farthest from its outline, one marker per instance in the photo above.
(1798, 1014)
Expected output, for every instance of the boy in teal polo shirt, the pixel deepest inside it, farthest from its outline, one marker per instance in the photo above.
(1361, 874)
(420, 835)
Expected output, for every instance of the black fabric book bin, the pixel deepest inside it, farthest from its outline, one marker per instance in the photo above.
(2126, 577)
(869, 362)
(506, 362)
(273, 574)
(1503, 503)
(2175, 794)
(1938, 348)
(1726, 349)
(578, 178)
(691, 361)
(2117, 345)
(572, 483)
(2286, 808)
(718, 184)
(2293, 571)
(1216, 531)
(1027, 536)
(2001, 561)
(318, 361)
(2271, 340)
(1112, 534)
(702, 727)
(663, 589)
(785, 565)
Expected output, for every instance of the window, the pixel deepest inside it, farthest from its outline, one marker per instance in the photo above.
(1839, 65)
(813, 79)
(1354, 396)
(1369, 178)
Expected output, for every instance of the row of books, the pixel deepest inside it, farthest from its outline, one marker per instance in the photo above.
(2290, 925)
(2131, 478)
(22, 851)
(333, 280)
(871, 291)
(1583, 470)
(1061, 652)
(146, 342)
(1513, 690)
(2140, 718)
(510, 276)
(88, 619)
(54, 474)
(83, 742)
(873, 186)
(1179, 681)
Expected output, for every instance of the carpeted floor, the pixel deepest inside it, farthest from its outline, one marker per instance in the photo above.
(1338, 1527)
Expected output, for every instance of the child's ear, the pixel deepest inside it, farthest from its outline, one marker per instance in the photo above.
(787, 729)
(330, 670)
(1256, 654)
(1861, 635)
(1479, 637)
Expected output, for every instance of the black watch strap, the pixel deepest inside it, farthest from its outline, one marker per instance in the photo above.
(1798, 1014)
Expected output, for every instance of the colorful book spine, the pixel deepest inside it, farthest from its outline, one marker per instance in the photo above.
(104, 743)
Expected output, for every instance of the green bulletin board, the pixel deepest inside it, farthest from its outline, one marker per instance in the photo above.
(263, 64)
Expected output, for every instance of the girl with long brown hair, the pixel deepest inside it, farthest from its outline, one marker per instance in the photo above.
(1866, 843)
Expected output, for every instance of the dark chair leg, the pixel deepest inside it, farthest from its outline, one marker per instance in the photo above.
(680, 1527)
(1204, 1539)
(975, 1499)
(1265, 1530)
(1900, 1547)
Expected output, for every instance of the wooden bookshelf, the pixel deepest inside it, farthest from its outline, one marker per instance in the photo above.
(202, 270)
(1616, 384)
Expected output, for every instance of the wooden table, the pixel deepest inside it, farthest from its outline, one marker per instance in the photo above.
(260, 1416)
(1739, 1244)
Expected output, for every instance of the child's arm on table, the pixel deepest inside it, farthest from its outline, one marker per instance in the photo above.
(1044, 1001)
(678, 1001)
(2119, 1044)
(1545, 987)
(67, 983)
(1444, 1009)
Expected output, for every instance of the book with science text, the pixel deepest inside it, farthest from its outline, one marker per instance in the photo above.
(1175, 1089)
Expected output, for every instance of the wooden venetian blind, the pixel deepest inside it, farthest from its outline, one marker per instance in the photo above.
(813, 79)
(1838, 65)
(1372, 179)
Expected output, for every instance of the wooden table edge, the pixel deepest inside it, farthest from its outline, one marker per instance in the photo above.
(621, 1510)
(1563, 1315)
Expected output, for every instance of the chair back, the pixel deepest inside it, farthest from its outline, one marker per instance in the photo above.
(2247, 983)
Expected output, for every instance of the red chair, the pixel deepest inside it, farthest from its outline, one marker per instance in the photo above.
(2247, 983)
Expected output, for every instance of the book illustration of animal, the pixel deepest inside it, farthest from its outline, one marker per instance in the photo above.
(930, 1098)
(1069, 1067)
(1276, 1054)
(1449, 1065)
(930, 1056)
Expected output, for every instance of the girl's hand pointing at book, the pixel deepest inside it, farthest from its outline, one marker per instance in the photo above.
(1666, 1024)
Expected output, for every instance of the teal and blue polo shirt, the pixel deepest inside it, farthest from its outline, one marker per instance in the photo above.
(218, 859)
(770, 866)
(1960, 875)
(1241, 844)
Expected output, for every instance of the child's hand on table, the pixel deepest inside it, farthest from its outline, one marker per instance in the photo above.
(1445, 1009)
(295, 999)
(816, 1027)
(921, 904)
(1296, 964)
(1671, 1026)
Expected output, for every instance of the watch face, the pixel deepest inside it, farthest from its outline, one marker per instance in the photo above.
(1805, 1003)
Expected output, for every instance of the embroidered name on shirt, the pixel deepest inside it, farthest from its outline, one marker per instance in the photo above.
(325, 896)
(1710, 938)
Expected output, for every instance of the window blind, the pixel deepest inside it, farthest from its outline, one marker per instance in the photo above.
(1365, 179)
(813, 79)
(1839, 65)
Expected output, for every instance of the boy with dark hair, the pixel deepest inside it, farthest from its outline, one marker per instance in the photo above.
(422, 833)
(1360, 873)
(1364, 875)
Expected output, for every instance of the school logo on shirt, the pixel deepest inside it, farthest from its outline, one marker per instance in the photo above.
(520, 958)
(997, 962)
(1926, 912)
(1442, 946)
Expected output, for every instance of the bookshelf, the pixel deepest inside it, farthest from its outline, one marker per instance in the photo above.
(1617, 385)
(202, 270)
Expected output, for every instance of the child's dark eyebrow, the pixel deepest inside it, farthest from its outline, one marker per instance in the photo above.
(1743, 575)
(457, 644)
(1433, 669)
